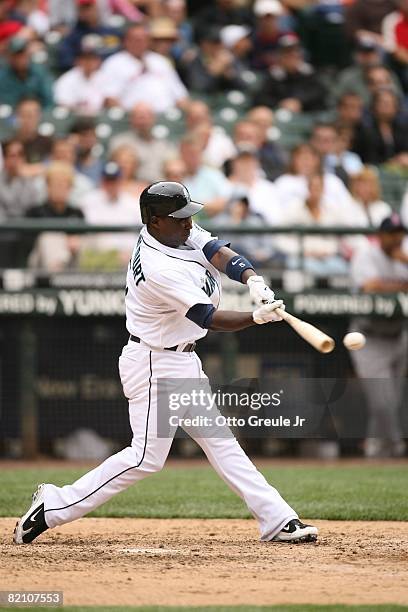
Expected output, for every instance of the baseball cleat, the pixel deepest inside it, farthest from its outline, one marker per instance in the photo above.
(33, 522)
(295, 532)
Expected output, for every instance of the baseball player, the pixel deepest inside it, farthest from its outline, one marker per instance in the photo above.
(172, 297)
(382, 267)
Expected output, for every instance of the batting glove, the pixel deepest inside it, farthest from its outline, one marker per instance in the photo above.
(259, 291)
(267, 314)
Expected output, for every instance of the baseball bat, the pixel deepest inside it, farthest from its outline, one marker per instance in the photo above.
(314, 336)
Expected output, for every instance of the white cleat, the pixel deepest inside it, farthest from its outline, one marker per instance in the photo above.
(33, 522)
(296, 532)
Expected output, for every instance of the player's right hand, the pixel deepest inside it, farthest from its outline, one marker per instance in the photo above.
(267, 313)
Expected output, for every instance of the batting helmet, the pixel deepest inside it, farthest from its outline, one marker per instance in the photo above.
(167, 199)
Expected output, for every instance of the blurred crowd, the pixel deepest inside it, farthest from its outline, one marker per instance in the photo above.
(98, 98)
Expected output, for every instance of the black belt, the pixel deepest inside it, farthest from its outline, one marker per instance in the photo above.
(187, 349)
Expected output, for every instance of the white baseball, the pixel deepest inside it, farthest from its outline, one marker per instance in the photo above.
(354, 341)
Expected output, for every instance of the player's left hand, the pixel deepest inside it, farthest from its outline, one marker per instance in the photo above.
(259, 291)
(267, 313)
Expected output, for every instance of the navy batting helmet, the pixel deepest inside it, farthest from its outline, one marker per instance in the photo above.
(167, 199)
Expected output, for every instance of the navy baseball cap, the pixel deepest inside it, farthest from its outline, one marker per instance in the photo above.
(111, 171)
(393, 223)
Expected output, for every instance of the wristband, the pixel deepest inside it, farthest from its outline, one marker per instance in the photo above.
(236, 266)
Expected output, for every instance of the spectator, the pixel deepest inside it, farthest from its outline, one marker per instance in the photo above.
(236, 38)
(364, 21)
(137, 74)
(211, 68)
(110, 205)
(37, 147)
(305, 162)
(224, 13)
(63, 14)
(206, 184)
(355, 78)
(21, 78)
(321, 253)
(34, 15)
(349, 110)
(219, 146)
(88, 22)
(128, 162)
(177, 11)
(329, 144)
(258, 248)
(291, 83)
(262, 195)
(175, 170)
(266, 34)
(163, 35)
(152, 152)
(55, 251)
(64, 150)
(17, 192)
(370, 209)
(82, 89)
(383, 135)
(271, 155)
(87, 162)
(380, 77)
(395, 32)
(382, 267)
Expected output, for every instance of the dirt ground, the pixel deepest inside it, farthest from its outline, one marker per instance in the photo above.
(214, 562)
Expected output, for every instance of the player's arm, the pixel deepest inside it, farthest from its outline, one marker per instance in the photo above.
(208, 317)
(239, 268)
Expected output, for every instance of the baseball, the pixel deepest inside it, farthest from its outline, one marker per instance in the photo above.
(354, 341)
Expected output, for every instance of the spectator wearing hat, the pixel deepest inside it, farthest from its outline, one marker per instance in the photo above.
(55, 251)
(176, 10)
(211, 67)
(266, 34)
(37, 147)
(367, 54)
(137, 74)
(110, 204)
(82, 89)
(21, 78)
(395, 32)
(163, 35)
(237, 39)
(291, 83)
(152, 152)
(382, 267)
(88, 22)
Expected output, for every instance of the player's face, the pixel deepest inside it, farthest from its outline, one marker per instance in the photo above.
(170, 231)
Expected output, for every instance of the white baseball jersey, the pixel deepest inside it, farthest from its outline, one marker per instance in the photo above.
(163, 283)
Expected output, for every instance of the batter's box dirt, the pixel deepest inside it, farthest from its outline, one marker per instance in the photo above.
(213, 562)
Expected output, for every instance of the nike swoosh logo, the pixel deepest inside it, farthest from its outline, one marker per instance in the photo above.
(32, 518)
(234, 262)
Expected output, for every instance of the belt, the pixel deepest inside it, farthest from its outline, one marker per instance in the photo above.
(187, 349)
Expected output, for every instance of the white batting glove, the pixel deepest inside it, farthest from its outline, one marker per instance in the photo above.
(259, 291)
(267, 314)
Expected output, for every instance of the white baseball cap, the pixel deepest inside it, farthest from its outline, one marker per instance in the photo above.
(268, 7)
(232, 34)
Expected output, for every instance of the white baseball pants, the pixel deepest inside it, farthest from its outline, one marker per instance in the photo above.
(139, 370)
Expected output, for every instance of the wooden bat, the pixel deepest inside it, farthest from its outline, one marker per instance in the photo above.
(314, 336)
